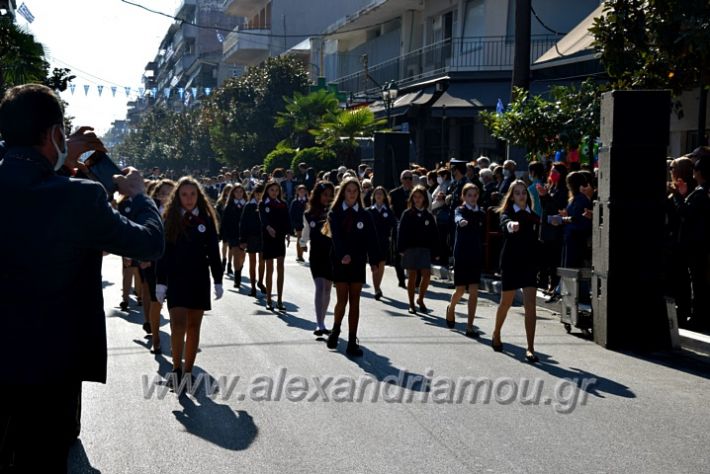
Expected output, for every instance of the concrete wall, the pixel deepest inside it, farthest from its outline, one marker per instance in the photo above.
(680, 127)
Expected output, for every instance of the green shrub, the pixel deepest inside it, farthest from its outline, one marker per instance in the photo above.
(319, 158)
(280, 157)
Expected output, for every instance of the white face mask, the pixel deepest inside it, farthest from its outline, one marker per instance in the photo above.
(440, 180)
(61, 155)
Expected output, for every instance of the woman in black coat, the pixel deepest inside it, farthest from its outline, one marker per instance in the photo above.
(417, 240)
(230, 230)
(275, 229)
(320, 247)
(183, 273)
(518, 262)
(469, 221)
(298, 207)
(553, 198)
(385, 221)
(250, 239)
(219, 207)
(354, 244)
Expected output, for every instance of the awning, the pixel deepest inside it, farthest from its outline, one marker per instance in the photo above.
(399, 107)
(576, 45)
(465, 99)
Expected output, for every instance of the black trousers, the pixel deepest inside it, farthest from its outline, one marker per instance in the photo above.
(38, 425)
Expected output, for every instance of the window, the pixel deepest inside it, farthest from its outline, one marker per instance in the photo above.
(475, 19)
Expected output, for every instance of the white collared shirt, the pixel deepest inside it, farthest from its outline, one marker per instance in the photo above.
(471, 208)
(356, 207)
(195, 211)
(253, 201)
(517, 208)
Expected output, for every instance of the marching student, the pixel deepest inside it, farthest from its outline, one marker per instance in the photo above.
(417, 239)
(354, 243)
(131, 272)
(161, 195)
(298, 206)
(385, 221)
(251, 239)
(518, 262)
(183, 273)
(319, 253)
(276, 228)
(219, 207)
(469, 221)
(230, 230)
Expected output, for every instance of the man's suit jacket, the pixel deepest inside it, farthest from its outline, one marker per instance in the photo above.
(53, 232)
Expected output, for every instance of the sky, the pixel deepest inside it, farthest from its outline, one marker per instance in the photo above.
(103, 42)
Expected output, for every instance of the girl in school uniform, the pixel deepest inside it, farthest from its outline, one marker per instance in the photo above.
(385, 221)
(183, 273)
(219, 208)
(518, 262)
(276, 228)
(417, 240)
(251, 240)
(230, 230)
(319, 254)
(354, 243)
(298, 207)
(469, 221)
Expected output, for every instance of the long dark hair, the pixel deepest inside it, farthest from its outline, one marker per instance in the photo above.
(508, 200)
(268, 185)
(314, 204)
(418, 189)
(259, 188)
(340, 196)
(388, 201)
(174, 223)
(575, 180)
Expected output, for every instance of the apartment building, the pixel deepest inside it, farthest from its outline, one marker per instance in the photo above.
(449, 59)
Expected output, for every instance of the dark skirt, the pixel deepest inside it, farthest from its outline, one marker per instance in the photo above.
(254, 244)
(518, 276)
(274, 248)
(465, 275)
(190, 291)
(321, 266)
(351, 273)
(148, 276)
(416, 258)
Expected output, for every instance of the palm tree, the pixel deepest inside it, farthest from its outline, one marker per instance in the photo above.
(304, 113)
(340, 132)
(21, 57)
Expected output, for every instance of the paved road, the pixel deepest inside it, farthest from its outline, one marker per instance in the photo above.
(637, 415)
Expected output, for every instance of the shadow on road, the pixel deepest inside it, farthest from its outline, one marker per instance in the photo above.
(78, 461)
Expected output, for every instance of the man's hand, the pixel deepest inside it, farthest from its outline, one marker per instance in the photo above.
(346, 260)
(79, 142)
(130, 184)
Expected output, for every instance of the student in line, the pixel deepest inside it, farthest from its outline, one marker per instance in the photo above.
(354, 243)
(251, 240)
(385, 221)
(276, 228)
(219, 208)
(469, 221)
(231, 218)
(296, 210)
(183, 273)
(320, 247)
(518, 262)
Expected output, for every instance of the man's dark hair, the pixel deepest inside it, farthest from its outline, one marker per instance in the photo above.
(26, 112)
(702, 166)
(536, 169)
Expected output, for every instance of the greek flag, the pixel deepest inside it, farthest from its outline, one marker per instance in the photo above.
(26, 14)
(220, 37)
(500, 108)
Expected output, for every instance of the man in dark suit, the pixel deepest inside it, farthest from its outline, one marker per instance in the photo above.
(399, 197)
(55, 230)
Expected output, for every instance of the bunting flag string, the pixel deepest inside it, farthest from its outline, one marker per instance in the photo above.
(184, 94)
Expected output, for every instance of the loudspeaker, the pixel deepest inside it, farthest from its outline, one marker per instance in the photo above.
(391, 157)
(629, 218)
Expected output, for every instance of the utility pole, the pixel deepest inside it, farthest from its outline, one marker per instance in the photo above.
(521, 59)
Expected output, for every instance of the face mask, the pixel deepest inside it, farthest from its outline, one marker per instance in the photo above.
(507, 173)
(439, 180)
(554, 176)
(61, 155)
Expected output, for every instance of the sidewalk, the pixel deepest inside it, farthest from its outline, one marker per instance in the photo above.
(693, 344)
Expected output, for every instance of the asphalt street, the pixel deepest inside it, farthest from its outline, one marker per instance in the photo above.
(626, 412)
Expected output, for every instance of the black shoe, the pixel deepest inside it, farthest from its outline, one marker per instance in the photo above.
(146, 328)
(497, 347)
(300, 260)
(253, 291)
(450, 323)
(422, 307)
(353, 349)
(174, 378)
(402, 285)
(327, 332)
(262, 288)
(553, 298)
(472, 333)
(333, 339)
(318, 332)
(123, 306)
(412, 310)
(378, 295)
(269, 305)
(237, 283)
(280, 306)
(531, 357)
(229, 269)
(156, 350)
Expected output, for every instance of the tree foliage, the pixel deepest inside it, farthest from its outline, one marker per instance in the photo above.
(306, 112)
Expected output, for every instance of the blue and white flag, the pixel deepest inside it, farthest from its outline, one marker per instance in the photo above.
(101, 89)
(154, 90)
(25, 12)
(72, 87)
(141, 92)
(500, 108)
(113, 90)
(194, 92)
(86, 89)
(181, 92)
(220, 37)
(128, 91)
(166, 91)
(208, 91)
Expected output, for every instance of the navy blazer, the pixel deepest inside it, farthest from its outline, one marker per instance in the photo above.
(417, 229)
(54, 232)
(468, 244)
(353, 233)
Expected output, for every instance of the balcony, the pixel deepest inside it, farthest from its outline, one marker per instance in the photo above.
(451, 55)
(185, 33)
(245, 8)
(247, 46)
(184, 63)
(186, 9)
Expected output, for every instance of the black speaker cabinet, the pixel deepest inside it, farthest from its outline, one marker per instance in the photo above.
(391, 157)
(627, 284)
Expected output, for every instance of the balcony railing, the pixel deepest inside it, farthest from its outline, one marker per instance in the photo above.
(454, 54)
(247, 44)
